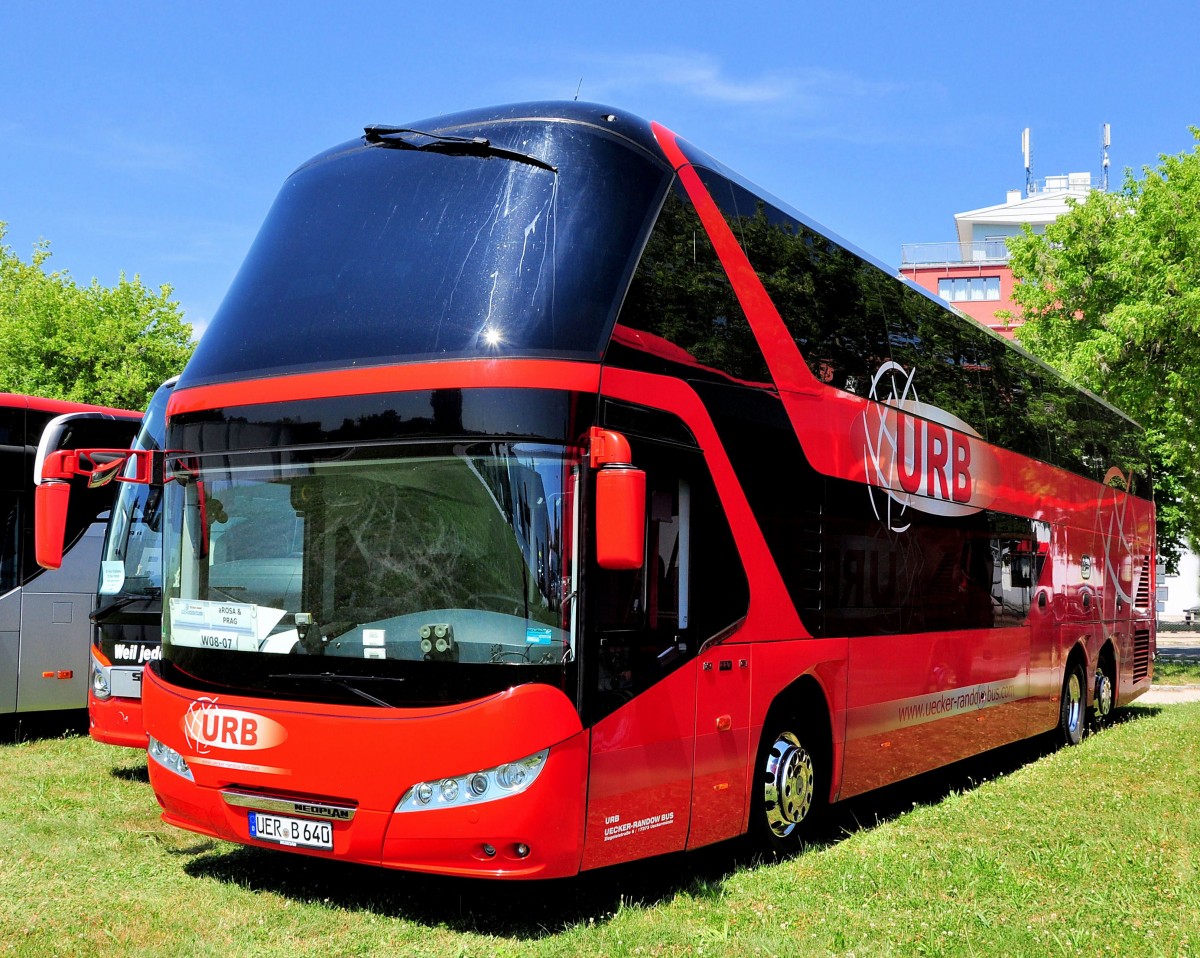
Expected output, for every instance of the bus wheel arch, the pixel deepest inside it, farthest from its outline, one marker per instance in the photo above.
(1072, 704)
(791, 777)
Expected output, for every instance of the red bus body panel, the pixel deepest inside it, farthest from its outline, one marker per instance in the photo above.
(379, 756)
(116, 721)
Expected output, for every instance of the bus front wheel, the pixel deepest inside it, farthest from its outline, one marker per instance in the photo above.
(786, 792)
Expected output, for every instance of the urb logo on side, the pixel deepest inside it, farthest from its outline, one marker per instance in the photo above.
(919, 456)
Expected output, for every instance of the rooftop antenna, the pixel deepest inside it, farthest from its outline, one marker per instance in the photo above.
(1105, 143)
(578, 88)
(1027, 150)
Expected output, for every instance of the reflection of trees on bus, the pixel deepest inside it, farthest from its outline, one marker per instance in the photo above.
(848, 317)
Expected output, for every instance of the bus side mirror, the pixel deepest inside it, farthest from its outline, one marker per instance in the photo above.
(620, 518)
(620, 503)
(50, 522)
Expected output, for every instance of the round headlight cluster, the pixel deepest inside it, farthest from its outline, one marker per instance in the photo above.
(511, 776)
(476, 787)
(168, 758)
(100, 686)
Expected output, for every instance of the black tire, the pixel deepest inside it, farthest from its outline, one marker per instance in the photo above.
(1072, 706)
(788, 788)
(1104, 695)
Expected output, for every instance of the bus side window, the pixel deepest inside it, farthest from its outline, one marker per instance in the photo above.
(647, 622)
(643, 612)
(10, 528)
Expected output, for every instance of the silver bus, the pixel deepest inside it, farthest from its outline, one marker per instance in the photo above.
(45, 632)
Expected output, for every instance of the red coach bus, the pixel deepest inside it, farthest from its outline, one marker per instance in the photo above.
(544, 496)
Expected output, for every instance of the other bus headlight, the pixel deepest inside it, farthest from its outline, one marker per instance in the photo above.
(100, 686)
(474, 788)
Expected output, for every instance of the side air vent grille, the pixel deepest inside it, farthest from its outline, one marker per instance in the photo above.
(1141, 654)
(1142, 598)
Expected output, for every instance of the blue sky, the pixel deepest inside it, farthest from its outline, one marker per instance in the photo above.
(151, 138)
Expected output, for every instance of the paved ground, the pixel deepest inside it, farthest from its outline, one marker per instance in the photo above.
(1169, 695)
(1179, 645)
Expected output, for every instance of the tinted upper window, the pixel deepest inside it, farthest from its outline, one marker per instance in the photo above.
(816, 285)
(681, 297)
(377, 254)
(848, 317)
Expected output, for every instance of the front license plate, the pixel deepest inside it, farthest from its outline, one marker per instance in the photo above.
(296, 832)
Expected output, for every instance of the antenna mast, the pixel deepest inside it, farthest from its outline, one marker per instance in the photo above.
(1105, 143)
(1027, 150)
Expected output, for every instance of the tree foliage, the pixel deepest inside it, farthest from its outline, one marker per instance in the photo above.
(107, 345)
(1111, 296)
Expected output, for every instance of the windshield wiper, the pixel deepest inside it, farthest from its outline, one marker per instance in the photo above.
(120, 602)
(403, 138)
(332, 678)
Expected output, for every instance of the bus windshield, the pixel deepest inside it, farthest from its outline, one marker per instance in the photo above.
(430, 573)
(131, 561)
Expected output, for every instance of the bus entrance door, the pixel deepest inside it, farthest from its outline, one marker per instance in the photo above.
(642, 682)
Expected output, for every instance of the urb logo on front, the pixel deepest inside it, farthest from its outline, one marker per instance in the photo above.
(207, 725)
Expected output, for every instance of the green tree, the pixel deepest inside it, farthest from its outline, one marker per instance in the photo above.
(97, 344)
(1111, 296)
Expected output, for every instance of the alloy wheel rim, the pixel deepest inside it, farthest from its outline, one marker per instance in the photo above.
(789, 784)
(1074, 703)
(1104, 695)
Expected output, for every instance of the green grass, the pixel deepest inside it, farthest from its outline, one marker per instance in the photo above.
(1176, 673)
(1086, 851)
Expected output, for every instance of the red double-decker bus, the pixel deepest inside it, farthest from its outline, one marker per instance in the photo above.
(544, 496)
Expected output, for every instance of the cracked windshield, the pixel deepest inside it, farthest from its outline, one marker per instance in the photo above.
(459, 557)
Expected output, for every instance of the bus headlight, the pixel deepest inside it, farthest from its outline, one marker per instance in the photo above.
(474, 788)
(100, 686)
(168, 758)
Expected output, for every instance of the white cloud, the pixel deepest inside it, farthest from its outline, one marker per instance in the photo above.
(798, 103)
(700, 76)
(703, 77)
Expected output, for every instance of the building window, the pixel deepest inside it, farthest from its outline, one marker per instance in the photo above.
(975, 289)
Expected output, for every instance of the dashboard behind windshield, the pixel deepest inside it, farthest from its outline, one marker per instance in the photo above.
(415, 566)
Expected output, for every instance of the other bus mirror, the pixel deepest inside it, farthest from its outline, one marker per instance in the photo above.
(105, 467)
(620, 503)
(50, 504)
(53, 497)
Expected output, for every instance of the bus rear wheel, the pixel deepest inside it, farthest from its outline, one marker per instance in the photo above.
(1071, 705)
(1105, 694)
(786, 791)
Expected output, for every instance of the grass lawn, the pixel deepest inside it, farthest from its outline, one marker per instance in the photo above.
(1176, 673)
(1087, 851)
